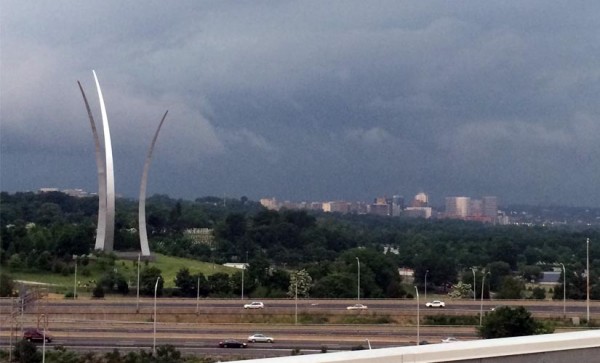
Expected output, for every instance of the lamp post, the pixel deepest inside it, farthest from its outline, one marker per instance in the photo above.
(296, 298)
(481, 306)
(137, 306)
(587, 276)
(564, 291)
(418, 318)
(426, 272)
(75, 282)
(358, 281)
(243, 268)
(474, 284)
(197, 295)
(154, 333)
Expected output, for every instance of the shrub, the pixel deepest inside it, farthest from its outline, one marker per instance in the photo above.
(98, 292)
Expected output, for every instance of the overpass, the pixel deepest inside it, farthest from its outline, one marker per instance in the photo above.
(580, 347)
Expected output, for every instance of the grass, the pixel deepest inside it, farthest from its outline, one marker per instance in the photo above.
(168, 265)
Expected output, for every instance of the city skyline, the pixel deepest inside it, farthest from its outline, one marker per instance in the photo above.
(311, 101)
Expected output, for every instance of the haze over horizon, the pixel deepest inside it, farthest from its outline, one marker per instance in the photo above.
(307, 100)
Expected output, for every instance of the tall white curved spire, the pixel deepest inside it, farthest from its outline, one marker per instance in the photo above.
(142, 203)
(101, 228)
(110, 175)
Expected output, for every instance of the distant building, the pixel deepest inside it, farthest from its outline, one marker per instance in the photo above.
(457, 207)
(338, 206)
(550, 278)
(200, 235)
(418, 212)
(397, 205)
(270, 203)
(490, 207)
(238, 265)
(380, 207)
(421, 200)
(407, 274)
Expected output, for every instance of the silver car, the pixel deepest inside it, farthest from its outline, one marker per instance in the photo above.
(260, 338)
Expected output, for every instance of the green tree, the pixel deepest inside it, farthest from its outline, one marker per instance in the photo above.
(539, 293)
(511, 288)
(461, 290)
(148, 278)
(185, 282)
(506, 321)
(336, 285)
(300, 282)
(219, 284)
(531, 273)
(168, 354)
(26, 352)
(7, 285)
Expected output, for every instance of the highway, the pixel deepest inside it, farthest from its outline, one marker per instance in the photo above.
(196, 326)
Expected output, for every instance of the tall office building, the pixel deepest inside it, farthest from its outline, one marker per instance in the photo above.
(457, 207)
(490, 207)
(397, 205)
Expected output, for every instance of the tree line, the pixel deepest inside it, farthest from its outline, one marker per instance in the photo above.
(275, 244)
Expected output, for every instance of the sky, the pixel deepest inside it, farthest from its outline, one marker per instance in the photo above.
(307, 100)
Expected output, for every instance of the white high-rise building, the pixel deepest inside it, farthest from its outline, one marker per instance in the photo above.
(457, 207)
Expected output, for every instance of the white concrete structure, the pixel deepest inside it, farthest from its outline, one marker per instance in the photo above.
(581, 347)
(106, 180)
(145, 248)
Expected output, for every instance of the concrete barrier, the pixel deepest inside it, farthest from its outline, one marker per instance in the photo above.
(583, 346)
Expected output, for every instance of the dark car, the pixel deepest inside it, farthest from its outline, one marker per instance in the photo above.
(35, 335)
(232, 343)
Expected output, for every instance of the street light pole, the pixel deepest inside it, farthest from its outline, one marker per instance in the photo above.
(154, 333)
(296, 298)
(358, 281)
(564, 291)
(197, 295)
(426, 272)
(243, 268)
(418, 318)
(474, 284)
(587, 276)
(75, 282)
(137, 306)
(243, 281)
(481, 306)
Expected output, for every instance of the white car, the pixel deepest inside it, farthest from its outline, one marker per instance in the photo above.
(449, 340)
(260, 338)
(357, 307)
(254, 305)
(436, 304)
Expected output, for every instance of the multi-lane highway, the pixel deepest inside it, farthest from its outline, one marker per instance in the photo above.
(196, 326)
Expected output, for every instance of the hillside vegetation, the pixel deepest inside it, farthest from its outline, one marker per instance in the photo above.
(322, 253)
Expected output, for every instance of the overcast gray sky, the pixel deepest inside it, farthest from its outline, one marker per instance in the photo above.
(307, 100)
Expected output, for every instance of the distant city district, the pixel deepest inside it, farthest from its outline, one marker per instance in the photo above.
(464, 208)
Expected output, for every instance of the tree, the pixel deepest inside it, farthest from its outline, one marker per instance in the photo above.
(185, 282)
(506, 321)
(7, 285)
(26, 352)
(511, 288)
(148, 278)
(461, 290)
(301, 282)
(219, 284)
(336, 285)
(539, 293)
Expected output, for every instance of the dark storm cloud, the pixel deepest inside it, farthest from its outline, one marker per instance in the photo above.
(310, 100)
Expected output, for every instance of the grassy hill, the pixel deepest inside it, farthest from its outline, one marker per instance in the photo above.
(86, 275)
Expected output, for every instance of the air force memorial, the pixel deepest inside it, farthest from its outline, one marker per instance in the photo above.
(105, 231)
